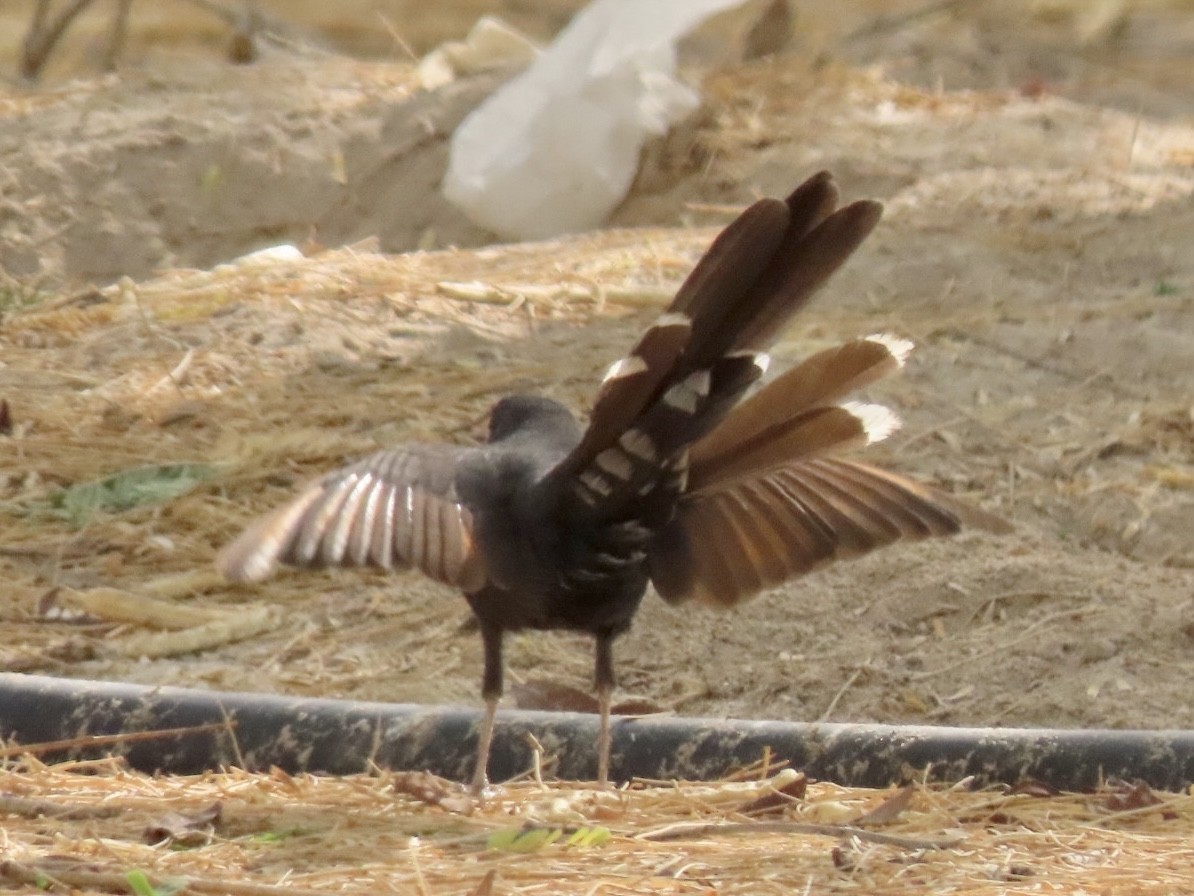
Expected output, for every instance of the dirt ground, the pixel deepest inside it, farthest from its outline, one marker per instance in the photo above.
(1038, 170)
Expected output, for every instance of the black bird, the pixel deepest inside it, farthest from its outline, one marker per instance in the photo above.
(675, 481)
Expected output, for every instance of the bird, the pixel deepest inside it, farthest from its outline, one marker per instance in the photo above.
(691, 475)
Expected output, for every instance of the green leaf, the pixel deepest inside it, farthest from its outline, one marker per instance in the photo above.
(139, 883)
(523, 839)
(594, 836)
(14, 296)
(213, 178)
(532, 839)
(502, 838)
(136, 487)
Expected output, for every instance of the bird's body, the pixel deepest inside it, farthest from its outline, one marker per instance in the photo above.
(675, 481)
(540, 565)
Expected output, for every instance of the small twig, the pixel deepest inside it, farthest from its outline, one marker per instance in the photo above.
(114, 605)
(28, 808)
(896, 22)
(990, 602)
(840, 693)
(372, 766)
(767, 766)
(475, 291)
(41, 38)
(177, 375)
(687, 830)
(40, 11)
(396, 36)
(106, 740)
(228, 628)
(420, 880)
(536, 759)
(230, 727)
(998, 648)
(120, 30)
(72, 876)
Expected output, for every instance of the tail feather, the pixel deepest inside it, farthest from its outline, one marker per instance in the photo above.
(814, 433)
(780, 410)
(692, 367)
(796, 274)
(811, 203)
(701, 556)
(651, 453)
(942, 513)
(734, 260)
(725, 289)
(628, 387)
(729, 268)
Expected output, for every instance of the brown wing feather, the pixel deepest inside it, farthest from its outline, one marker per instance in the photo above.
(730, 563)
(757, 533)
(933, 505)
(892, 505)
(394, 508)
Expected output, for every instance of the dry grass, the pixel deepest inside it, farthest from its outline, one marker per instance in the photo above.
(156, 372)
(202, 370)
(275, 368)
(87, 827)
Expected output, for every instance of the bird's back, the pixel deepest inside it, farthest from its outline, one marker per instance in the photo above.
(548, 565)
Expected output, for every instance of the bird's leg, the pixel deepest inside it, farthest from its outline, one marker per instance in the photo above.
(491, 691)
(480, 778)
(604, 679)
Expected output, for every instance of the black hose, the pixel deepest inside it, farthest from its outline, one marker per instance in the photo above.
(342, 737)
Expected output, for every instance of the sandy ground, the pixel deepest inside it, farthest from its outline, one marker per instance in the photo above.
(1038, 171)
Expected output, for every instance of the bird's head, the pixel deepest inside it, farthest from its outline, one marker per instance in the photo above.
(517, 414)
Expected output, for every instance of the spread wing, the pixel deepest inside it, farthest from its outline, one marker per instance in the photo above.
(725, 545)
(394, 509)
(768, 500)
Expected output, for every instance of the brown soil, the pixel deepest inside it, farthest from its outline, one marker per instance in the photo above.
(1037, 247)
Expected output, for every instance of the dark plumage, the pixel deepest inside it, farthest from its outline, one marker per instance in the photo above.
(676, 481)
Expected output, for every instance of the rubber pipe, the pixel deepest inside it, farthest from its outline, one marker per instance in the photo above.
(343, 737)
